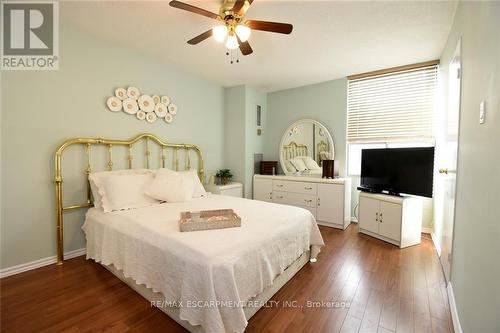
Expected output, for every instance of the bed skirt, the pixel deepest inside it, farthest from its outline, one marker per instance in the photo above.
(173, 312)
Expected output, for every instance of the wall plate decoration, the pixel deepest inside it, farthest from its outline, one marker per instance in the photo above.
(121, 93)
(172, 109)
(141, 115)
(133, 92)
(169, 118)
(144, 107)
(114, 104)
(151, 117)
(160, 110)
(130, 106)
(146, 103)
(165, 100)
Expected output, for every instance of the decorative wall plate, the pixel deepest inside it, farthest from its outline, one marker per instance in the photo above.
(130, 106)
(146, 103)
(114, 104)
(133, 92)
(160, 110)
(151, 117)
(165, 100)
(141, 115)
(172, 109)
(144, 107)
(121, 93)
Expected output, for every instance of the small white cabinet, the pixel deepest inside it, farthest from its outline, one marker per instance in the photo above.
(232, 189)
(328, 200)
(397, 220)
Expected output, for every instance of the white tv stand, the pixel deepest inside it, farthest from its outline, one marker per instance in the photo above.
(397, 220)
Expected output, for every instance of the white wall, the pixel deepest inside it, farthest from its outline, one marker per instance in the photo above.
(475, 269)
(40, 109)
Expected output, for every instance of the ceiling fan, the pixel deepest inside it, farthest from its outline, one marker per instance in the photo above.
(231, 26)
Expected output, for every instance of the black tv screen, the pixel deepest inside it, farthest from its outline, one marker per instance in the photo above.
(398, 170)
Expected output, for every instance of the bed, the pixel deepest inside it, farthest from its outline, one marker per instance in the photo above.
(207, 281)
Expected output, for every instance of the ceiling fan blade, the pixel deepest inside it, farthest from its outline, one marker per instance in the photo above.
(282, 28)
(238, 5)
(200, 37)
(245, 47)
(240, 8)
(193, 9)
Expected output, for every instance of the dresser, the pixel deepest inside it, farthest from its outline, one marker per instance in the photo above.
(232, 189)
(329, 200)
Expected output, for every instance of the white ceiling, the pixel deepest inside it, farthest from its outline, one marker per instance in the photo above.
(331, 39)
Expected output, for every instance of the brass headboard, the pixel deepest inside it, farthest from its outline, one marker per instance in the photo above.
(294, 149)
(147, 138)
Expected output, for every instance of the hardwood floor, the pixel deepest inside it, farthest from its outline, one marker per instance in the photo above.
(387, 290)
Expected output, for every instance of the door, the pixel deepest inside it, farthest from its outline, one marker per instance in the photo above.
(448, 152)
(368, 214)
(263, 189)
(390, 220)
(330, 205)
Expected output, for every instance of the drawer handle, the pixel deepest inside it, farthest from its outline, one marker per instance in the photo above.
(279, 185)
(307, 200)
(279, 197)
(308, 188)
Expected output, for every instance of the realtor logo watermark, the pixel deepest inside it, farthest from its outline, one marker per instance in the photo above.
(30, 35)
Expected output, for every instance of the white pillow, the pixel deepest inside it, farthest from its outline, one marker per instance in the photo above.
(310, 163)
(298, 163)
(289, 166)
(192, 175)
(100, 176)
(125, 191)
(171, 186)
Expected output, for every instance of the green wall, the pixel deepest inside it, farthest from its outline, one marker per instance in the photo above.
(475, 271)
(241, 139)
(40, 109)
(325, 102)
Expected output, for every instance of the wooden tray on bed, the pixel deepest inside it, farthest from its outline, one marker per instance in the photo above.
(210, 219)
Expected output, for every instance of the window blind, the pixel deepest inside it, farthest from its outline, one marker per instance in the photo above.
(392, 107)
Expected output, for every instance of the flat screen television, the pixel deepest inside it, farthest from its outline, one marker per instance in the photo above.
(398, 170)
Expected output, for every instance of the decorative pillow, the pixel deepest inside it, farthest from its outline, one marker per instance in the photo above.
(310, 163)
(100, 176)
(289, 166)
(125, 191)
(192, 175)
(298, 163)
(171, 186)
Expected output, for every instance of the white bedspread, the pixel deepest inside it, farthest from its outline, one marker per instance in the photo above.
(232, 264)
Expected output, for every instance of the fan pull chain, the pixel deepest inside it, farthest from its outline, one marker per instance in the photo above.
(231, 54)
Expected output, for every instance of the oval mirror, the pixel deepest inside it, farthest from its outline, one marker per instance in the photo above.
(303, 147)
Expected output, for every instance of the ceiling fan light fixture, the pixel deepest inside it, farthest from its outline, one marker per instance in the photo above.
(220, 32)
(232, 42)
(243, 32)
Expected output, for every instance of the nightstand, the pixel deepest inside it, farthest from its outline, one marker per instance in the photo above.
(232, 189)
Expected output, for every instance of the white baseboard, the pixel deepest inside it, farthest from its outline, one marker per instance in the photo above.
(427, 230)
(453, 309)
(39, 263)
(436, 244)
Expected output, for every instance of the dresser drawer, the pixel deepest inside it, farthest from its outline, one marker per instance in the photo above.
(295, 187)
(295, 199)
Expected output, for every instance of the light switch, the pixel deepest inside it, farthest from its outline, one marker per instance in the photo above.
(482, 112)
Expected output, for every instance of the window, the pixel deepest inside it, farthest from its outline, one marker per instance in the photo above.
(390, 110)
